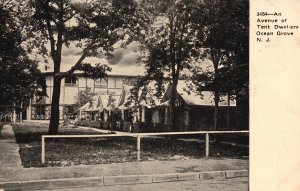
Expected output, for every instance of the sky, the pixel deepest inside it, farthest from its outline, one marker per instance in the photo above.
(124, 61)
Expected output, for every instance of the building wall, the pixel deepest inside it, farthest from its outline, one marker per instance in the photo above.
(68, 92)
(111, 85)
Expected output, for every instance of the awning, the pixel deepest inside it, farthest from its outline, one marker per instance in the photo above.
(91, 106)
(122, 107)
(166, 103)
(84, 107)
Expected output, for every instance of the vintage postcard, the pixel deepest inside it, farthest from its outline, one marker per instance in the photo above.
(149, 95)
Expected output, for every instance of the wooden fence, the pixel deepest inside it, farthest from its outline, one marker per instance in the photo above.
(139, 136)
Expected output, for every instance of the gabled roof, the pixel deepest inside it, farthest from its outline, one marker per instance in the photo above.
(84, 107)
(125, 94)
(104, 102)
(203, 98)
(148, 94)
(99, 103)
(91, 106)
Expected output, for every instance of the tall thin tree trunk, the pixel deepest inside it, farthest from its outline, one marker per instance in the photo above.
(173, 106)
(14, 114)
(216, 110)
(242, 111)
(21, 113)
(215, 60)
(228, 111)
(54, 119)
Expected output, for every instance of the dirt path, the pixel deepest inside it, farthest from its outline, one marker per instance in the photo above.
(10, 157)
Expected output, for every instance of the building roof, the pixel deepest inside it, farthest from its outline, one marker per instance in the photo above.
(124, 96)
(100, 102)
(203, 98)
(91, 106)
(109, 74)
(148, 94)
(105, 103)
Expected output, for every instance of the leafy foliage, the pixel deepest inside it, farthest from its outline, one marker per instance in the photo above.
(171, 40)
(224, 40)
(170, 45)
(19, 77)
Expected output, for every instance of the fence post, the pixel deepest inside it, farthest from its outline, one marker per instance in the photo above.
(206, 145)
(43, 150)
(138, 147)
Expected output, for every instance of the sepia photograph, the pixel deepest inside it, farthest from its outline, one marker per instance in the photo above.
(124, 95)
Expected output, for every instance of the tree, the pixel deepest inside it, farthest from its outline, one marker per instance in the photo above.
(238, 45)
(94, 26)
(170, 43)
(19, 77)
(223, 38)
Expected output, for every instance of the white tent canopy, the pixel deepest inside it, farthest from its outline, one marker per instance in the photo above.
(124, 98)
(91, 106)
(84, 107)
(104, 104)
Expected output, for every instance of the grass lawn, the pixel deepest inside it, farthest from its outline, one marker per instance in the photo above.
(90, 151)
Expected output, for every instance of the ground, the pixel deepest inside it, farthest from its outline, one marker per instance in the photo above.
(237, 184)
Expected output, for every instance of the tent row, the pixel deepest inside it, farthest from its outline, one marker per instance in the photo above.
(151, 110)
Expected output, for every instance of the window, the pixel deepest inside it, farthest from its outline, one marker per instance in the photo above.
(102, 83)
(41, 110)
(39, 100)
(71, 81)
(129, 81)
(125, 81)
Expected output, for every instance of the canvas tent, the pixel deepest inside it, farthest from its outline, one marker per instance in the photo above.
(99, 104)
(194, 110)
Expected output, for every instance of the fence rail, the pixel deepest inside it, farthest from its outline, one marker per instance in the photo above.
(139, 136)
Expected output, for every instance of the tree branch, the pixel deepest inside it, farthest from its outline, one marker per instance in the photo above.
(70, 17)
(50, 30)
(76, 66)
(60, 29)
(5, 3)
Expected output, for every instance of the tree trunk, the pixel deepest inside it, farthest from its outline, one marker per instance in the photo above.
(173, 106)
(54, 119)
(216, 110)
(228, 111)
(216, 59)
(242, 111)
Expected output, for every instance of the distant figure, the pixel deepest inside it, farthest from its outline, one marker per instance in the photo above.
(131, 128)
(76, 122)
(66, 120)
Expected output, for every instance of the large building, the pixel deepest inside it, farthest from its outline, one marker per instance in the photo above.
(40, 105)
